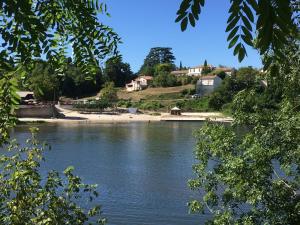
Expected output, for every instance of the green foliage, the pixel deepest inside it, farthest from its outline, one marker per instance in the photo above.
(43, 82)
(9, 101)
(109, 92)
(75, 84)
(124, 103)
(27, 197)
(275, 22)
(118, 72)
(164, 67)
(34, 28)
(220, 73)
(249, 171)
(206, 69)
(184, 80)
(49, 86)
(165, 79)
(245, 78)
(158, 55)
(188, 92)
(194, 105)
(149, 105)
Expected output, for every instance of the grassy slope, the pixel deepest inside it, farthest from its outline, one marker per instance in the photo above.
(153, 93)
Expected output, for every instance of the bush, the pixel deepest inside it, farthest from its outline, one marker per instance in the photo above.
(184, 80)
(194, 105)
(189, 91)
(27, 197)
(43, 82)
(216, 101)
(109, 92)
(152, 105)
(124, 103)
(76, 84)
(164, 79)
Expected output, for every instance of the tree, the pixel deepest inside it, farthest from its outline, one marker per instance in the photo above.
(75, 83)
(164, 67)
(158, 55)
(165, 79)
(43, 82)
(276, 21)
(29, 198)
(118, 72)
(205, 69)
(252, 176)
(109, 92)
(29, 30)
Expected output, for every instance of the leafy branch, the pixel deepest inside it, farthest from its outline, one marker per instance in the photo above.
(273, 22)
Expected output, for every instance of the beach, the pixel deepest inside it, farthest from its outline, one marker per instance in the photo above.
(75, 116)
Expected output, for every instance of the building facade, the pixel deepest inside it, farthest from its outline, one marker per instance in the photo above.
(207, 84)
(197, 70)
(139, 83)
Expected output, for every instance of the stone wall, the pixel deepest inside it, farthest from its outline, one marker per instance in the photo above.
(36, 111)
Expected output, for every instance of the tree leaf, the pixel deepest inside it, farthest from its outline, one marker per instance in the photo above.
(233, 41)
(232, 24)
(232, 33)
(184, 23)
(192, 20)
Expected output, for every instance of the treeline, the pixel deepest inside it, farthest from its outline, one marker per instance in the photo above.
(49, 86)
(159, 64)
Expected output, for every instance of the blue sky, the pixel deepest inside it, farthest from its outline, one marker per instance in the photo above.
(143, 24)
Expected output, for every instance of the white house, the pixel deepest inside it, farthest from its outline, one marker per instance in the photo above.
(207, 84)
(134, 85)
(144, 80)
(197, 70)
(139, 83)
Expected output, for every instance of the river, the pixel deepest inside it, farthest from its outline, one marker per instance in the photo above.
(142, 168)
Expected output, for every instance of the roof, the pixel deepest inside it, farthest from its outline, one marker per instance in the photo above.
(208, 77)
(176, 72)
(175, 109)
(146, 77)
(201, 66)
(23, 94)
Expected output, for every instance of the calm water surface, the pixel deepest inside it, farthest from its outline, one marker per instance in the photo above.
(142, 169)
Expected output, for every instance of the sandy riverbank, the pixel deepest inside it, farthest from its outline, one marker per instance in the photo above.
(73, 116)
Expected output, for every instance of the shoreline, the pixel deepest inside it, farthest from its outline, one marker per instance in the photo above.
(75, 117)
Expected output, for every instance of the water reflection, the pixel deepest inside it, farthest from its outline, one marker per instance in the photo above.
(142, 168)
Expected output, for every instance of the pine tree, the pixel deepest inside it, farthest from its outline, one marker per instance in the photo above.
(180, 66)
(158, 55)
(205, 69)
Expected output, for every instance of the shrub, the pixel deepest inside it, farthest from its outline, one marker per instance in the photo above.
(164, 79)
(152, 105)
(27, 197)
(124, 103)
(189, 91)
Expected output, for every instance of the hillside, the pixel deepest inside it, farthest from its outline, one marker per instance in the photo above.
(153, 93)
